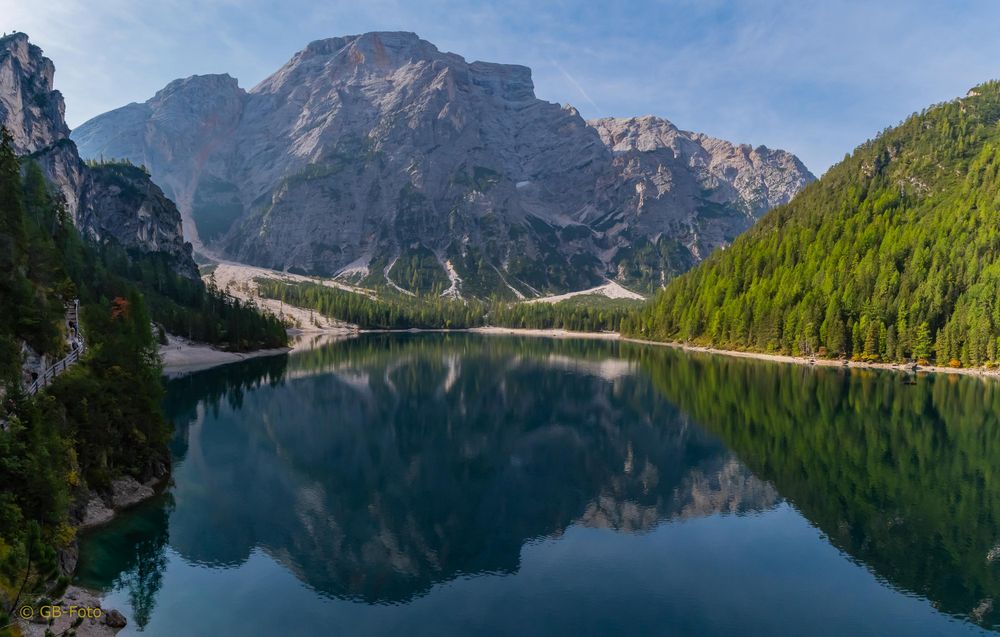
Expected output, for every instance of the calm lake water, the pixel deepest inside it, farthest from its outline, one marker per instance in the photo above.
(474, 485)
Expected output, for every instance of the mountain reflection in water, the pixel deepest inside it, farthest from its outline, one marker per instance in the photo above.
(376, 468)
(406, 464)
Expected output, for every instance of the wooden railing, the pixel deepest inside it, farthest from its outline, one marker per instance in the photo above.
(54, 370)
(50, 373)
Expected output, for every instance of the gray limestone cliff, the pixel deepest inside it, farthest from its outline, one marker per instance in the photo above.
(696, 189)
(29, 108)
(112, 201)
(379, 158)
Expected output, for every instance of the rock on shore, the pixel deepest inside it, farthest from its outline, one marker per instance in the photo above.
(99, 623)
(125, 492)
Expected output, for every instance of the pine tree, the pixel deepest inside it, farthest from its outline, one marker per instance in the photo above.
(922, 342)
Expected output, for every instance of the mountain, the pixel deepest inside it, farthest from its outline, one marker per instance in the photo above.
(112, 201)
(379, 158)
(693, 188)
(893, 254)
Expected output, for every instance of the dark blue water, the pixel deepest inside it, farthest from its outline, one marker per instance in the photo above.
(457, 485)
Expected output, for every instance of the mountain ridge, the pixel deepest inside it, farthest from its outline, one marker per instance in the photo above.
(381, 159)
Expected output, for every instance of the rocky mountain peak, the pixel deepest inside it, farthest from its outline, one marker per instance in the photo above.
(351, 57)
(216, 100)
(375, 47)
(210, 83)
(395, 57)
(29, 107)
(389, 48)
(379, 158)
(643, 133)
(759, 178)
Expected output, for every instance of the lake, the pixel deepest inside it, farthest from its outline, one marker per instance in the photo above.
(431, 484)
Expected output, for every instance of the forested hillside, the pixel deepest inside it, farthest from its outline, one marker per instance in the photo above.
(102, 418)
(893, 254)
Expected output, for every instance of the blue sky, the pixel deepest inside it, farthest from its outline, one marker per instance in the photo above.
(815, 78)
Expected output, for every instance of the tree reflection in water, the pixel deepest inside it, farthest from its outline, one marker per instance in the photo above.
(130, 554)
(383, 465)
(897, 475)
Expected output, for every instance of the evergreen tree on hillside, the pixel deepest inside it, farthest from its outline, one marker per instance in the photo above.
(432, 311)
(101, 419)
(894, 254)
(30, 288)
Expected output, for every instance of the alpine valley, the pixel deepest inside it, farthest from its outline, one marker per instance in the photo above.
(380, 160)
(376, 344)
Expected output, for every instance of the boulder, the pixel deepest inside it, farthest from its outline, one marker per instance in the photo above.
(96, 512)
(114, 619)
(127, 492)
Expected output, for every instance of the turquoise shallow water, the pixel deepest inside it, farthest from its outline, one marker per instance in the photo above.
(461, 484)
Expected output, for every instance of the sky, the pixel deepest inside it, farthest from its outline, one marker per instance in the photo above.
(814, 78)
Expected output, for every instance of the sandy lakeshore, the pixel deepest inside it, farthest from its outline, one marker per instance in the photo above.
(181, 356)
(518, 331)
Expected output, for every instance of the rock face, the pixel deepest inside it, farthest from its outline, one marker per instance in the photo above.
(379, 158)
(115, 202)
(29, 108)
(125, 492)
(693, 188)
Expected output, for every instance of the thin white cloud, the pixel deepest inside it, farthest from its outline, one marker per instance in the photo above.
(576, 85)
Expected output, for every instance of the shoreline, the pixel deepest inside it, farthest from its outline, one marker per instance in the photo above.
(700, 349)
(95, 510)
(180, 357)
(774, 358)
(820, 362)
(502, 331)
(545, 333)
